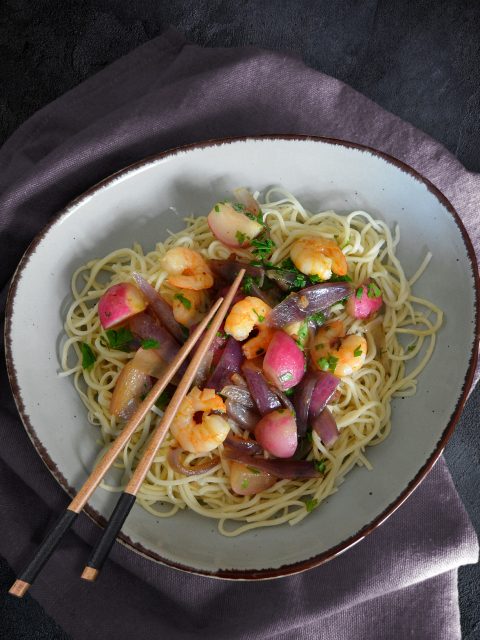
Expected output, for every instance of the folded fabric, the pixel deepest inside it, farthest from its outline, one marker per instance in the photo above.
(401, 580)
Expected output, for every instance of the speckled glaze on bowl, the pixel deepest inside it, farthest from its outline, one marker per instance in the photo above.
(145, 200)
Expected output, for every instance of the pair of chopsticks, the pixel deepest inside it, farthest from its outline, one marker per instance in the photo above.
(127, 499)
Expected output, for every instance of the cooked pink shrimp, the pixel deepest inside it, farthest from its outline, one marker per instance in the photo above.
(318, 256)
(187, 269)
(334, 351)
(245, 316)
(189, 306)
(204, 436)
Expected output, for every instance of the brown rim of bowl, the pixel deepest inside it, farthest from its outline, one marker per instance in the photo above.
(319, 559)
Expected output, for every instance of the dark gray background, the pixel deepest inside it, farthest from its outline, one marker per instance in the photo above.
(419, 60)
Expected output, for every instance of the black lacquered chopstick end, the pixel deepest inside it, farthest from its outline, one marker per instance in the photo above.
(103, 546)
(43, 553)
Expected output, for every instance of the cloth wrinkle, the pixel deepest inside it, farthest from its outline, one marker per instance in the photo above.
(400, 581)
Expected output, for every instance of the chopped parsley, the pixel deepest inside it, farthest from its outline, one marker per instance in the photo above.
(222, 334)
(328, 364)
(163, 399)
(185, 301)
(150, 343)
(241, 237)
(289, 392)
(320, 465)
(373, 291)
(260, 317)
(254, 470)
(411, 347)
(358, 352)
(311, 504)
(285, 377)
(248, 282)
(302, 334)
(318, 318)
(118, 338)
(263, 247)
(309, 435)
(346, 243)
(217, 208)
(314, 279)
(257, 218)
(244, 484)
(335, 278)
(185, 331)
(238, 206)
(88, 356)
(359, 292)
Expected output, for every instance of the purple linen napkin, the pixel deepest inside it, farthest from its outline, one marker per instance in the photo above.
(401, 580)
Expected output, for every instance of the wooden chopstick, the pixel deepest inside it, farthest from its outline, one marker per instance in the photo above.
(63, 524)
(128, 497)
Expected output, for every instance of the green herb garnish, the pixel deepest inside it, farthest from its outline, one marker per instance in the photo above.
(217, 208)
(260, 317)
(311, 504)
(411, 347)
(263, 247)
(88, 356)
(373, 290)
(254, 470)
(289, 392)
(358, 352)
(309, 435)
(302, 334)
(185, 301)
(238, 206)
(320, 465)
(359, 293)
(150, 343)
(244, 484)
(248, 282)
(241, 237)
(285, 377)
(118, 338)
(328, 364)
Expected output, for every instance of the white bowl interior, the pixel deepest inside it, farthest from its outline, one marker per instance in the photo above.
(145, 202)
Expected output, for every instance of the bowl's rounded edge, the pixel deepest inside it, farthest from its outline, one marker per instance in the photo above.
(314, 561)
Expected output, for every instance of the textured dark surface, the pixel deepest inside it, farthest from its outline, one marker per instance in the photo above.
(418, 60)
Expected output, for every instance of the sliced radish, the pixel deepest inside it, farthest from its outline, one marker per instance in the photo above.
(284, 362)
(119, 303)
(247, 480)
(231, 226)
(366, 300)
(277, 433)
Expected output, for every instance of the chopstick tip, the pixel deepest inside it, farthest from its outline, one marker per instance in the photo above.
(90, 574)
(19, 588)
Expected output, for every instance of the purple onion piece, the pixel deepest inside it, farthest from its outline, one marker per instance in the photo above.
(229, 363)
(326, 386)
(246, 445)
(283, 398)
(243, 416)
(302, 399)
(265, 399)
(325, 427)
(203, 370)
(146, 328)
(304, 447)
(228, 270)
(298, 306)
(238, 394)
(160, 308)
(270, 297)
(284, 279)
(278, 467)
(174, 458)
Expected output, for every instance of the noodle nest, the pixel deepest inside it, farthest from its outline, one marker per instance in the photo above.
(407, 329)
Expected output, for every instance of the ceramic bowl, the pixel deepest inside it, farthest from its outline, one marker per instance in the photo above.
(141, 203)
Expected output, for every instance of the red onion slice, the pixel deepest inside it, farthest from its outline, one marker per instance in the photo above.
(326, 386)
(280, 468)
(203, 370)
(325, 427)
(229, 363)
(284, 279)
(265, 399)
(174, 458)
(298, 306)
(246, 445)
(146, 328)
(160, 308)
(312, 395)
(243, 416)
(228, 270)
(238, 394)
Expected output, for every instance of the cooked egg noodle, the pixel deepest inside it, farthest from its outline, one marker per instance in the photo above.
(362, 412)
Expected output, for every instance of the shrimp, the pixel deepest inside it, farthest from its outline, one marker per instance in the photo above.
(204, 436)
(189, 306)
(187, 269)
(334, 351)
(318, 256)
(246, 315)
